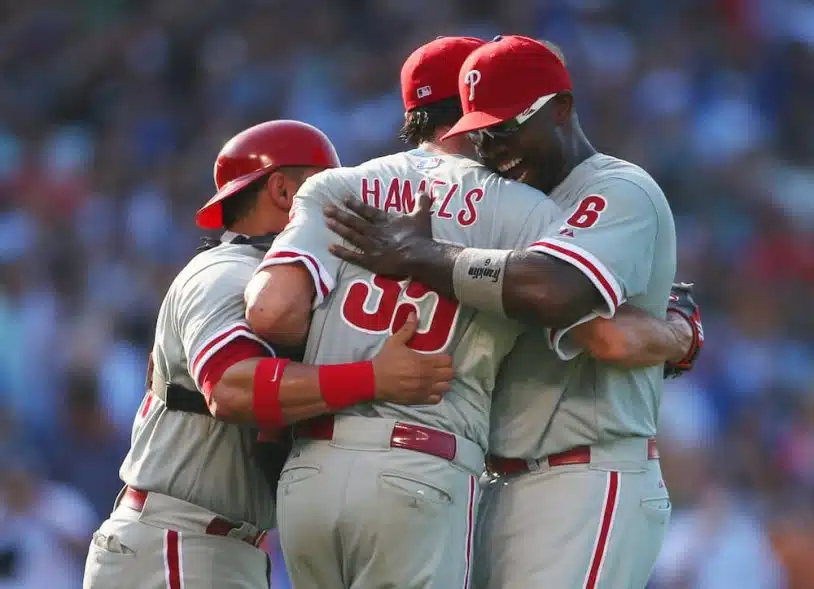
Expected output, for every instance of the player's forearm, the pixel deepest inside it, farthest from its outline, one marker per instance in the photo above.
(547, 291)
(272, 393)
(634, 339)
(233, 398)
(528, 286)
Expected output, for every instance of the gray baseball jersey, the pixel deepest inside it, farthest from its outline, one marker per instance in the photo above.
(185, 455)
(617, 229)
(355, 310)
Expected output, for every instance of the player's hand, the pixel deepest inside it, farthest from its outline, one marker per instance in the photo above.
(384, 243)
(683, 307)
(406, 377)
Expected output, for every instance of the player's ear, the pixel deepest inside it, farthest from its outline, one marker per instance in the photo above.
(562, 106)
(279, 190)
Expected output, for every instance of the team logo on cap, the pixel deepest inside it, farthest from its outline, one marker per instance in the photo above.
(471, 79)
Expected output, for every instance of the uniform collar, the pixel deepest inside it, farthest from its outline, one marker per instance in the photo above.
(261, 242)
(229, 236)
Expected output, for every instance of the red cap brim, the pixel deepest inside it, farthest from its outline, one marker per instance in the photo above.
(476, 120)
(210, 216)
(479, 120)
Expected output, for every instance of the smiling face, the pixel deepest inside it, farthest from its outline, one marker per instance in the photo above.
(531, 151)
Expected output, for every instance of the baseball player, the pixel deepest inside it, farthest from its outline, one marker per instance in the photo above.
(382, 495)
(195, 505)
(580, 500)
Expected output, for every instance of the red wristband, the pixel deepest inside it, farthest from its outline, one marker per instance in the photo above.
(344, 385)
(268, 376)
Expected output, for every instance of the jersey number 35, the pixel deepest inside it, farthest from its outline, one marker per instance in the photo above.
(381, 306)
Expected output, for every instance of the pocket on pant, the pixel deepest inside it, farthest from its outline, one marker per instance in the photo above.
(657, 509)
(415, 488)
(293, 475)
(624, 467)
(108, 562)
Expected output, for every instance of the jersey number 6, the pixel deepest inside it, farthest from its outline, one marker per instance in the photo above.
(382, 305)
(587, 212)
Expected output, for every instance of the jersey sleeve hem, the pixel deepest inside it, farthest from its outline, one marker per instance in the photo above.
(210, 347)
(564, 346)
(604, 281)
(323, 281)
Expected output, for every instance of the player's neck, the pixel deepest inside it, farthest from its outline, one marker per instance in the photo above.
(578, 148)
(257, 225)
(457, 145)
(575, 149)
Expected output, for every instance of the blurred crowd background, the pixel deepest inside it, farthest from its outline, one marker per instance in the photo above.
(111, 114)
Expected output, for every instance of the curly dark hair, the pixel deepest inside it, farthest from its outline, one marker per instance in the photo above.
(421, 123)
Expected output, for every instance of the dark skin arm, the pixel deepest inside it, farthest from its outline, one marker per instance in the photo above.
(536, 288)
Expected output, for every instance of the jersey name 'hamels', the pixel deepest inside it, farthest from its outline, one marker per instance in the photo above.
(398, 195)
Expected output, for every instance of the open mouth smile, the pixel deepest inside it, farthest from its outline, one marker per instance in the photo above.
(512, 169)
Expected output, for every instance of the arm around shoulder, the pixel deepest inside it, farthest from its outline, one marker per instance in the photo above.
(527, 284)
(546, 290)
(524, 285)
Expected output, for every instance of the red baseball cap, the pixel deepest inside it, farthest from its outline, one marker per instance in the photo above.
(504, 78)
(430, 73)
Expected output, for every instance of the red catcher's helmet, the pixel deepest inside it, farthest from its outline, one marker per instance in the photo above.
(260, 150)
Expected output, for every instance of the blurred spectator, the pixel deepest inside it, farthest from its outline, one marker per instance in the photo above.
(45, 527)
(715, 540)
(713, 526)
(86, 450)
